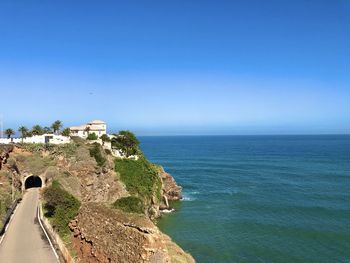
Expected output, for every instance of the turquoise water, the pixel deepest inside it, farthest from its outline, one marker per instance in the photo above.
(258, 198)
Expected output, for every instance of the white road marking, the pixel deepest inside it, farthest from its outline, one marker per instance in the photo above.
(47, 236)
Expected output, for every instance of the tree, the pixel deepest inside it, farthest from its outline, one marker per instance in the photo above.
(37, 130)
(24, 132)
(130, 138)
(66, 132)
(56, 126)
(127, 142)
(9, 133)
(47, 130)
(105, 138)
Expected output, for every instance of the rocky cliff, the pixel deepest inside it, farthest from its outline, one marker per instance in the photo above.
(5, 150)
(120, 199)
(121, 237)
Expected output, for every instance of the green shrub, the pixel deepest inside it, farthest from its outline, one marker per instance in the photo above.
(131, 204)
(139, 176)
(95, 152)
(92, 137)
(60, 207)
(105, 138)
(66, 132)
(107, 151)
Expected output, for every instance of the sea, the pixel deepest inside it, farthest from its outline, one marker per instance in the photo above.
(258, 198)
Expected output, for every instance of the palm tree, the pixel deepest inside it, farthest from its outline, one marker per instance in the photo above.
(56, 126)
(24, 131)
(9, 133)
(37, 130)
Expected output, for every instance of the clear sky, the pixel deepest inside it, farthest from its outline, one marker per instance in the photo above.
(178, 67)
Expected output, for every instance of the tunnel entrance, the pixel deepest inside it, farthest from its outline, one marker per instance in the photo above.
(32, 181)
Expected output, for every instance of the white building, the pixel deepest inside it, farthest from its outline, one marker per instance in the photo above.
(45, 138)
(98, 127)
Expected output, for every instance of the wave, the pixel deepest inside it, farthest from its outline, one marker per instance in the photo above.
(189, 196)
(193, 195)
(167, 211)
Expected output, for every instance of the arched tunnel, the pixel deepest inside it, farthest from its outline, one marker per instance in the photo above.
(32, 181)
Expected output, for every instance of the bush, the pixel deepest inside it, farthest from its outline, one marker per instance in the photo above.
(60, 207)
(130, 204)
(95, 152)
(140, 177)
(66, 132)
(105, 138)
(92, 137)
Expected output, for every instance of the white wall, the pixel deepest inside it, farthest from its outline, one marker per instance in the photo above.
(57, 139)
(84, 134)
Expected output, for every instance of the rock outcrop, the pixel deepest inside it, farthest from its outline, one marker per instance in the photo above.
(93, 183)
(5, 150)
(103, 235)
(170, 189)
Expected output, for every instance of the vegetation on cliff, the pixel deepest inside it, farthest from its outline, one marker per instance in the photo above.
(96, 152)
(92, 137)
(5, 200)
(140, 178)
(60, 207)
(130, 204)
(9, 181)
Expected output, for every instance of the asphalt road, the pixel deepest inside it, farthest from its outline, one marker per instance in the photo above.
(24, 241)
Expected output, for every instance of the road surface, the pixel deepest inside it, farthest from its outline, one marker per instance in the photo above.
(24, 241)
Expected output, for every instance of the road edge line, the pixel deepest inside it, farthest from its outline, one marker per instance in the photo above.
(47, 236)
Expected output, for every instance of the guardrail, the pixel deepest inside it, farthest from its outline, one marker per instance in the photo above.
(8, 215)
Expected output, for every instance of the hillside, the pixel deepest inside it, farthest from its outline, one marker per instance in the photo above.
(104, 208)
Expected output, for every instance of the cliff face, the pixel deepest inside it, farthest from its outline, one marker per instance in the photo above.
(104, 235)
(102, 232)
(8, 176)
(170, 190)
(5, 150)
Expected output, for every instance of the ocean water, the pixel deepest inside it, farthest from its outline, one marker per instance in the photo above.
(258, 198)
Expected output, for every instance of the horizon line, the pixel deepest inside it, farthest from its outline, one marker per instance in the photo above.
(223, 135)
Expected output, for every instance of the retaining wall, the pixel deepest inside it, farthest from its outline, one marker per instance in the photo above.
(56, 238)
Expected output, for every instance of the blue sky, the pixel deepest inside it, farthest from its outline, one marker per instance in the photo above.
(178, 67)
